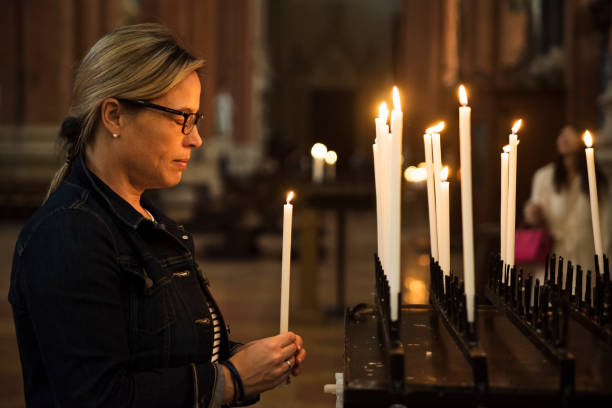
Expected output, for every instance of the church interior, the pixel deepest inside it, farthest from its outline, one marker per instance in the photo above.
(281, 76)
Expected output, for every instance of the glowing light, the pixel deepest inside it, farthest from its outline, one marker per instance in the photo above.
(517, 126)
(507, 149)
(414, 174)
(383, 112)
(588, 139)
(331, 157)
(463, 99)
(318, 151)
(436, 129)
(396, 100)
(290, 196)
(444, 173)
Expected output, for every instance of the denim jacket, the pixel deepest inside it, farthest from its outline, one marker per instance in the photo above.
(110, 308)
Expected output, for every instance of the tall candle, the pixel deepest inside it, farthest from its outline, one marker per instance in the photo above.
(431, 197)
(286, 264)
(503, 216)
(590, 157)
(330, 159)
(445, 218)
(395, 198)
(511, 223)
(318, 152)
(379, 208)
(465, 150)
(437, 167)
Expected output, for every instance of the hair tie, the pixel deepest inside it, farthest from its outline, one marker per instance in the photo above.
(236, 380)
(71, 129)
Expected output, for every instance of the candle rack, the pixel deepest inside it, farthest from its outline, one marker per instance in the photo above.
(432, 357)
(546, 323)
(447, 296)
(591, 308)
(389, 330)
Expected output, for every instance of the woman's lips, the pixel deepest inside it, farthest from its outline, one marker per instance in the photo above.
(182, 164)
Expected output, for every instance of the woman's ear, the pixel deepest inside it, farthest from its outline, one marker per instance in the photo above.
(109, 114)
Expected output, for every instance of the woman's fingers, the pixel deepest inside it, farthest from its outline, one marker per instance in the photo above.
(285, 339)
(288, 351)
(299, 359)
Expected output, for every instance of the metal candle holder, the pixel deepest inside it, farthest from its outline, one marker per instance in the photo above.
(546, 323)
(447, 297)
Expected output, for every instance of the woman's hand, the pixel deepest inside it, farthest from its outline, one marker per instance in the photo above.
(300, 356)
(533, 213)
(263, 364)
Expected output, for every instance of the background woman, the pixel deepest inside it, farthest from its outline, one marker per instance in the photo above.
(560, 202)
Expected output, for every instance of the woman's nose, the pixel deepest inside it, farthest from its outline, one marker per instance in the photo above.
(193, 139)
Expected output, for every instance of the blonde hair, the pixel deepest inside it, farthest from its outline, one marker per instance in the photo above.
(141, 61)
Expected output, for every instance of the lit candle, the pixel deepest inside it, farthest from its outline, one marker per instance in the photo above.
(379, 207)
(382, 163)
(431, 197)
(395, 197)
(286, 264)
(318, 153)
(503, 217)
(590, 157)
(465, 150)
(330, 159)
(437, 167)
(445, 218)
(511, 223)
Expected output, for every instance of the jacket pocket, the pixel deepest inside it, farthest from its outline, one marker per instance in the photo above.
(155, 308)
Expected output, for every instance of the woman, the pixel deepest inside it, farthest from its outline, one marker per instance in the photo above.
(109, 304)
(560, 202)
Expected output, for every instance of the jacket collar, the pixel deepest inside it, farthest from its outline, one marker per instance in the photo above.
(81, 175)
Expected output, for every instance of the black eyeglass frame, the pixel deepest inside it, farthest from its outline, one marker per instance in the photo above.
(197, 115)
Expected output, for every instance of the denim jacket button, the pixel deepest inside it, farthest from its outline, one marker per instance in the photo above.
(205, 320)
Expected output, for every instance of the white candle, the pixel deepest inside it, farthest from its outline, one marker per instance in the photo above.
(511, 223)
(431, 197)
(590, 157)
(465, 150)
(503, 216)
(379, 207)
(383, 151)
(318, 152)
(395, 203)
(445, 218)
(286, 264)
(330, 159)
(437, 167)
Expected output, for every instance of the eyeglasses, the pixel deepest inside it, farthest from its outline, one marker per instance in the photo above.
(190, 120)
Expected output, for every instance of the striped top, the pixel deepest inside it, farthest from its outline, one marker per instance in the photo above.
(216, 333)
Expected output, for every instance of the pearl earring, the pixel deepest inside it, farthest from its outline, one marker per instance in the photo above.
(115, 135)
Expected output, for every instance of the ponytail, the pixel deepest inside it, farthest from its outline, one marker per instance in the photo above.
(72, 142)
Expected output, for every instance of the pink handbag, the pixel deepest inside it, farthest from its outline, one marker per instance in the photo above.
(531, 245)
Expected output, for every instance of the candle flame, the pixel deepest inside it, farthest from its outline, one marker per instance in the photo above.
(507, 149)
(396, 100)
(463, 99)
(436, 129)
(588, 139)
(444, 173)
(331, 157)
(383, 112)
(517, 126)
(318, 151)
(290, 197)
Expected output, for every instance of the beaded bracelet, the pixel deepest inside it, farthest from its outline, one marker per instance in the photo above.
(238, 387)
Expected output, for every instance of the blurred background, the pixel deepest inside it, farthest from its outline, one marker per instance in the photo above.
(282, 75)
